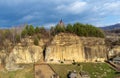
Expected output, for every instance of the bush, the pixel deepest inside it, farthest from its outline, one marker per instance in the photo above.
(31, 30)
(28, 30)
(37, 30)
(17, 38)
(38, 36)
(69, 28)
(24, 33)
(59, 29)
(74, 63)
(61, 62)
(36, 41)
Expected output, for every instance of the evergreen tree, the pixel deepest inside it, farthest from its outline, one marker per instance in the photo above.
(24, 33)
(69, 28)
(31, 30)
(37, 30)
(81, 30)
(59, 29)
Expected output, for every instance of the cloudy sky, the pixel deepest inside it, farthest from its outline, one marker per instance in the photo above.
(49, 12)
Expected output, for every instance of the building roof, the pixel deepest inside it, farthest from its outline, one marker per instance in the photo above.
(116, 58)
(73, 75)
(61, 23)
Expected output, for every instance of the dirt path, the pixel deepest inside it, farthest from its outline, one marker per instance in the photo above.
(114, 66)
(44, 71)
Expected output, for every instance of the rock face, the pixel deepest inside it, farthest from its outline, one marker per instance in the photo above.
(94, 49)
(23, 55)
(28, 54)
(65, 47)
(115, 51)
(69, 48)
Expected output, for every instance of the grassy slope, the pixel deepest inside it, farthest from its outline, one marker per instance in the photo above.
(96, 70)
(24, 73)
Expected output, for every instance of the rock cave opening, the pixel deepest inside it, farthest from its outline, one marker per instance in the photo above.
(44, 52)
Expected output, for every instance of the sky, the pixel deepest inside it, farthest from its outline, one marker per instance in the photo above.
(48, 12)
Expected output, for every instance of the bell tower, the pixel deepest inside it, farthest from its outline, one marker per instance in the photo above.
(61, 24)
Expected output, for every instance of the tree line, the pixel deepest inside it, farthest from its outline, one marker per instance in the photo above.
(15, 35)
(79, 29)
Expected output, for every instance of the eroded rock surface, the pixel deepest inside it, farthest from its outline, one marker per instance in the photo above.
(115, 51)
(68, 47)
(27, 54)
(94, 49)
(23, 55)
(64, 47)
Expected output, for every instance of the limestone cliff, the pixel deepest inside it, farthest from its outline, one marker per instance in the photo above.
(64, 47)
(94, 49)
(23, 55)
(114, 51)
(68, 47)
(26, 54)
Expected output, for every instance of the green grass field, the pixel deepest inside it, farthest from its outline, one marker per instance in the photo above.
(27, 72)
(95, 70)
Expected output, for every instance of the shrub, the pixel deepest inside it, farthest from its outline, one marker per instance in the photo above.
(36, 41)
(59, 29)
(69, 28)
(31, 30)
(37, 30)
(17, 38)
(24, 33)
(61, 62)
(74, 63)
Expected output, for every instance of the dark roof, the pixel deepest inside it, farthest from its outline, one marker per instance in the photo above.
(73, 75)
(116, 58)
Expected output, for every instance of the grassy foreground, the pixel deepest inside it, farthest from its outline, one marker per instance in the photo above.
(27, 72)
(95, 70)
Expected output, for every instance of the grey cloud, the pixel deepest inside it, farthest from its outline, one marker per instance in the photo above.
(44, 12)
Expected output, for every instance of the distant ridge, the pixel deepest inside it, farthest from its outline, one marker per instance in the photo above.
(111, 27)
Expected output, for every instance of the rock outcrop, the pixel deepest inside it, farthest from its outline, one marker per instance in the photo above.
(23, 55)
(28, 54)
(69, 48)
(94, 49)
(65, 47)
(115, 51)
